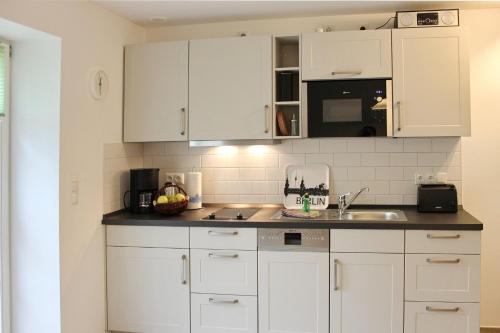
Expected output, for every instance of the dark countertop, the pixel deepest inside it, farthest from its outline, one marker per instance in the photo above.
(423, 221)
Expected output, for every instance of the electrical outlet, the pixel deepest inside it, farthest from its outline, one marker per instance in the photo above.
(174, 177)
(419, 179)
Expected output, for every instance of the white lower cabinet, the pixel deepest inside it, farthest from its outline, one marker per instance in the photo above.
(148, 290)
(212, 313)
(366, 293)
(439, 317)
(293, 292)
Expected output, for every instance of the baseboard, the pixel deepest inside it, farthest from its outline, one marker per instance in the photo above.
(490, 329)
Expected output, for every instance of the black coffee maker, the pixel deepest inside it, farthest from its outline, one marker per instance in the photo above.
(143, 188)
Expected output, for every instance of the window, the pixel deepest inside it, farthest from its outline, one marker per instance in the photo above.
(4, 186)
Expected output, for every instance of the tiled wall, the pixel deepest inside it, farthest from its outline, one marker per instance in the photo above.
(119, 158)
(255, 174)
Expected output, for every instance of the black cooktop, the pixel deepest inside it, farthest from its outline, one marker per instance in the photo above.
(229, 214)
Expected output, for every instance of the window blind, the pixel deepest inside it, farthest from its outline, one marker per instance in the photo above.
(4, 53)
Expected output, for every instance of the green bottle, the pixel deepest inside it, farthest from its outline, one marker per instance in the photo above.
(306, 203)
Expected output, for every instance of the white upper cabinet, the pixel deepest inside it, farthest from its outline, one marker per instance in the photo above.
(344, 55)
(156, 92)
(431, 82)
(230, 88)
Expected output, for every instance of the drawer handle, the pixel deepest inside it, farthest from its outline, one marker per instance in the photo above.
(433, 309)
(336, 263)
(223, 301)
(347, 73)
(216, 255)
(431, 236)
(184, 269)
(222, 233)
(443, 261)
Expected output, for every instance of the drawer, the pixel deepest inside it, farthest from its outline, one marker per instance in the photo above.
(442, 277)
(382, 241)
(223, 314)
(443, 241)
(224, 272)
(224, 238)
(425, 317)
(147, 236)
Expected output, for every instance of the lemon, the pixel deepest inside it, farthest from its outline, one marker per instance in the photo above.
(180, 197)
(162, 199)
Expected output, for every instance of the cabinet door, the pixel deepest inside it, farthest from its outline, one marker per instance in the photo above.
(431, 82)
(223, 313)
(230, 88)
(156, 92)
(224, 272)
(293, 292)
(366, 293)
(425, 317)
(443, 277)
(148, 290)
(346, 55)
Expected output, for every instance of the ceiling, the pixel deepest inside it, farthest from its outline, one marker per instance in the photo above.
(166, 13)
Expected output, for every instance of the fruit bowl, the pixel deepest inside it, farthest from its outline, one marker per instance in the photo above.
(171, 199)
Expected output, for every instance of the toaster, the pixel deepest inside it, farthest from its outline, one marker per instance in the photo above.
(437, 198)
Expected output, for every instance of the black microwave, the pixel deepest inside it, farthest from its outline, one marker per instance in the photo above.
(349, 108)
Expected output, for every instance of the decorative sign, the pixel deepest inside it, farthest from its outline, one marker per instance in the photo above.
(313, 179)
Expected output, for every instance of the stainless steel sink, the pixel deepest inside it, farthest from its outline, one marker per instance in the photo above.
(374, 215)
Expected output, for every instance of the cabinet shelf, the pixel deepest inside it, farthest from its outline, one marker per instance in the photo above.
(287, 103)
(287, 69)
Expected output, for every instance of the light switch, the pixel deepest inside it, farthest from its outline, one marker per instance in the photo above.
(75, 192)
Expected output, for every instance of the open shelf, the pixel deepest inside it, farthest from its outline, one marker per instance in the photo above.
(287, 87)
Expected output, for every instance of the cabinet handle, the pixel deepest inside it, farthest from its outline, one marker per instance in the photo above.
(223, 301)
(266, 114)
(217, 255)
(431, 236)
(433, 309)
(443, 261)
(183, 121)
(336, 263)
(347, 73)
(398, 103)
(184, 269)
(222, 233)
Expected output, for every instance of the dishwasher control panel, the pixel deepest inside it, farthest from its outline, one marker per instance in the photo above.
(300, 240)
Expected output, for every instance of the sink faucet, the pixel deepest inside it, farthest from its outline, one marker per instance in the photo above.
(344, 203)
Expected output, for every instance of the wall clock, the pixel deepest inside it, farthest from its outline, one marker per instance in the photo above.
(99, 84)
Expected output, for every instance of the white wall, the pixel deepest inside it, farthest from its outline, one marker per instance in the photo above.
(91, 38)
(481, 160)
(481, 152)
(34, 194)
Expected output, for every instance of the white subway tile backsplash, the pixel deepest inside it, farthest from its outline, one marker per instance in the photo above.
(403, 159)
(389, 145)
(431, 159)
(416, 145)
(306, 146)
(319, 159)
(361, 173)
(361, 145)
(375, 159)
(333, 145)
(446, 144)
(347, 159)
(256, 174)
(389, 173)
(252, 174)
(291, 159)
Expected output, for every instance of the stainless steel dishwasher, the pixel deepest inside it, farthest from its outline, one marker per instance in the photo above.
(293, 280)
